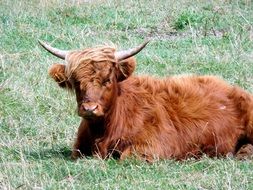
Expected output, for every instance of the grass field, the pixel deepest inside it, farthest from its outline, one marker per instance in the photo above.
(38, 120)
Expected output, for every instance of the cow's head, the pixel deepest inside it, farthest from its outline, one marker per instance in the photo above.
(93, 74)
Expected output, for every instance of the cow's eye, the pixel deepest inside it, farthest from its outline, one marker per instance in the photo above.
(106, 82)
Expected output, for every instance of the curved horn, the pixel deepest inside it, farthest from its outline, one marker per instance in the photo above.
(121, 55)
(57, 52)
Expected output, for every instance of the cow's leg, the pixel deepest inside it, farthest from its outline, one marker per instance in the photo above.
(126, 153)
(101, 148)
(83, 142)
(244, 102)
(249, 129)
(245, 152)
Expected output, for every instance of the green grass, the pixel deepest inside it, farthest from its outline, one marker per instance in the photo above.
(38, 120)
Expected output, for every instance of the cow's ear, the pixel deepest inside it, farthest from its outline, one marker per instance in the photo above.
(126, 68)
(57, 72)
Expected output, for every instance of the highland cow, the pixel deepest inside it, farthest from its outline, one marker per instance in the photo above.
(151, 118)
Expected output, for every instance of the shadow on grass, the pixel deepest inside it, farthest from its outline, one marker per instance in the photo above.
(49, 153)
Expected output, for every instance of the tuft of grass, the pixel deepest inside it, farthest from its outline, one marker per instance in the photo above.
(187, 18)
(38, 120)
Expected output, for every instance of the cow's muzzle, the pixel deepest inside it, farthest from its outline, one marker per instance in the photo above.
(90, 109)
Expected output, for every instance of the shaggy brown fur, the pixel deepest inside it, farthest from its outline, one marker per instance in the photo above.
(174, 117)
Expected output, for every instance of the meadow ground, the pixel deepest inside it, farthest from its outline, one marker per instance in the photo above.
(38, 119)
